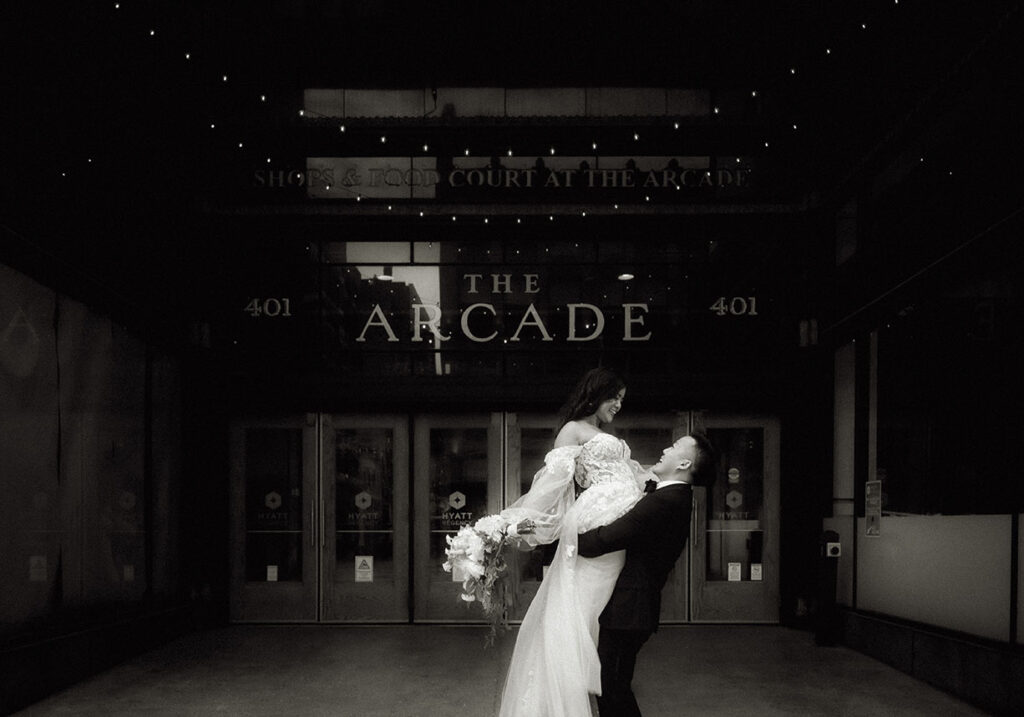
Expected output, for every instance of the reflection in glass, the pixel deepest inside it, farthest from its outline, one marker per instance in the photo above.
(363, 479)
(735, 505)
(364, 502)
(273, 504)
(458, 486)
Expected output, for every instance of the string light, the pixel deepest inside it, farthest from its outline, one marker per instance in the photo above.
(594, 145)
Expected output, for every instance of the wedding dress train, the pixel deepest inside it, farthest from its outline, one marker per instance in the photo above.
(554, 666)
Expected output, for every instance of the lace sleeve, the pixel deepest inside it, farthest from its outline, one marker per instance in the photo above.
(551, 494)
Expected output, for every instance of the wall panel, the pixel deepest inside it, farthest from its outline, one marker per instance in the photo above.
(952, 572)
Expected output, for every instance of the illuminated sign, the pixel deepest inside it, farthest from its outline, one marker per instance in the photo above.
(354, 178)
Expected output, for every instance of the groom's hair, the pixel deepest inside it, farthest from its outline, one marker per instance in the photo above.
(705, 467)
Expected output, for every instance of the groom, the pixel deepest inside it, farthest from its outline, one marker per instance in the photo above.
(653, 534)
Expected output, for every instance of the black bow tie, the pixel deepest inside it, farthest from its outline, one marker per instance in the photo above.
(650, 486)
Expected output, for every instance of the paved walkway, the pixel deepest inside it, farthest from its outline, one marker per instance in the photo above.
(428, 671)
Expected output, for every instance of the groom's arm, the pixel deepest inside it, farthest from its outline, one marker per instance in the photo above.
(619, 534)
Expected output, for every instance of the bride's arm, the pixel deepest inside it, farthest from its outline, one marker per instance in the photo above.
(548, 499)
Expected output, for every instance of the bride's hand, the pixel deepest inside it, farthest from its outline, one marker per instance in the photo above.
(525, 527)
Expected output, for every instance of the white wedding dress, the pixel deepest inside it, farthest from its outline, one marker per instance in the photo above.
(554, 666)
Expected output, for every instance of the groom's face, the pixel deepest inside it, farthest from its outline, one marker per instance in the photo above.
(678, 456)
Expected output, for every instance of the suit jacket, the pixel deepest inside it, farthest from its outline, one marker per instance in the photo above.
(653, 534)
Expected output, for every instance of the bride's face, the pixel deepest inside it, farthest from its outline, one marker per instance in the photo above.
(606, 411)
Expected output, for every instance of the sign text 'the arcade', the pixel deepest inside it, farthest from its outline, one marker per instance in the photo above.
(586, 321)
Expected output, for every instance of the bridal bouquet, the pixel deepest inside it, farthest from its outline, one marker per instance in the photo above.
(476, 553)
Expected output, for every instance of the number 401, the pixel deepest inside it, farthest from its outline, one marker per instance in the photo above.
(737, 306)
(268, 307)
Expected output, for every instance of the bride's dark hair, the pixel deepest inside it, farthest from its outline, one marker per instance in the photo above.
(596, 386)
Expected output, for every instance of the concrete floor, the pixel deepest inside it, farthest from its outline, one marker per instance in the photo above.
(428, 671)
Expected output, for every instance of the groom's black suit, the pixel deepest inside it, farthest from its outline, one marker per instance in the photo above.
(653, 534)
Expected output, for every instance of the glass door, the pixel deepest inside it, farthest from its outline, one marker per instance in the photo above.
(321, 519)
(364, 512)
(457, 479)
(735, 538)
(272, 519)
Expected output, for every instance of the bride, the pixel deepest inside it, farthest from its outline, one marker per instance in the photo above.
(554, 666)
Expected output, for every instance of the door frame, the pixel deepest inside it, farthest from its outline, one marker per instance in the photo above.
(284, 601)
(725, 601)
(434, 602)
(375, 602)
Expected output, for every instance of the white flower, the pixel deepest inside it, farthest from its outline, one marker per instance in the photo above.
(474, 569)
(493, 526)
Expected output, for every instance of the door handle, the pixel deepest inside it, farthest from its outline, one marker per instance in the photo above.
(312, 524)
